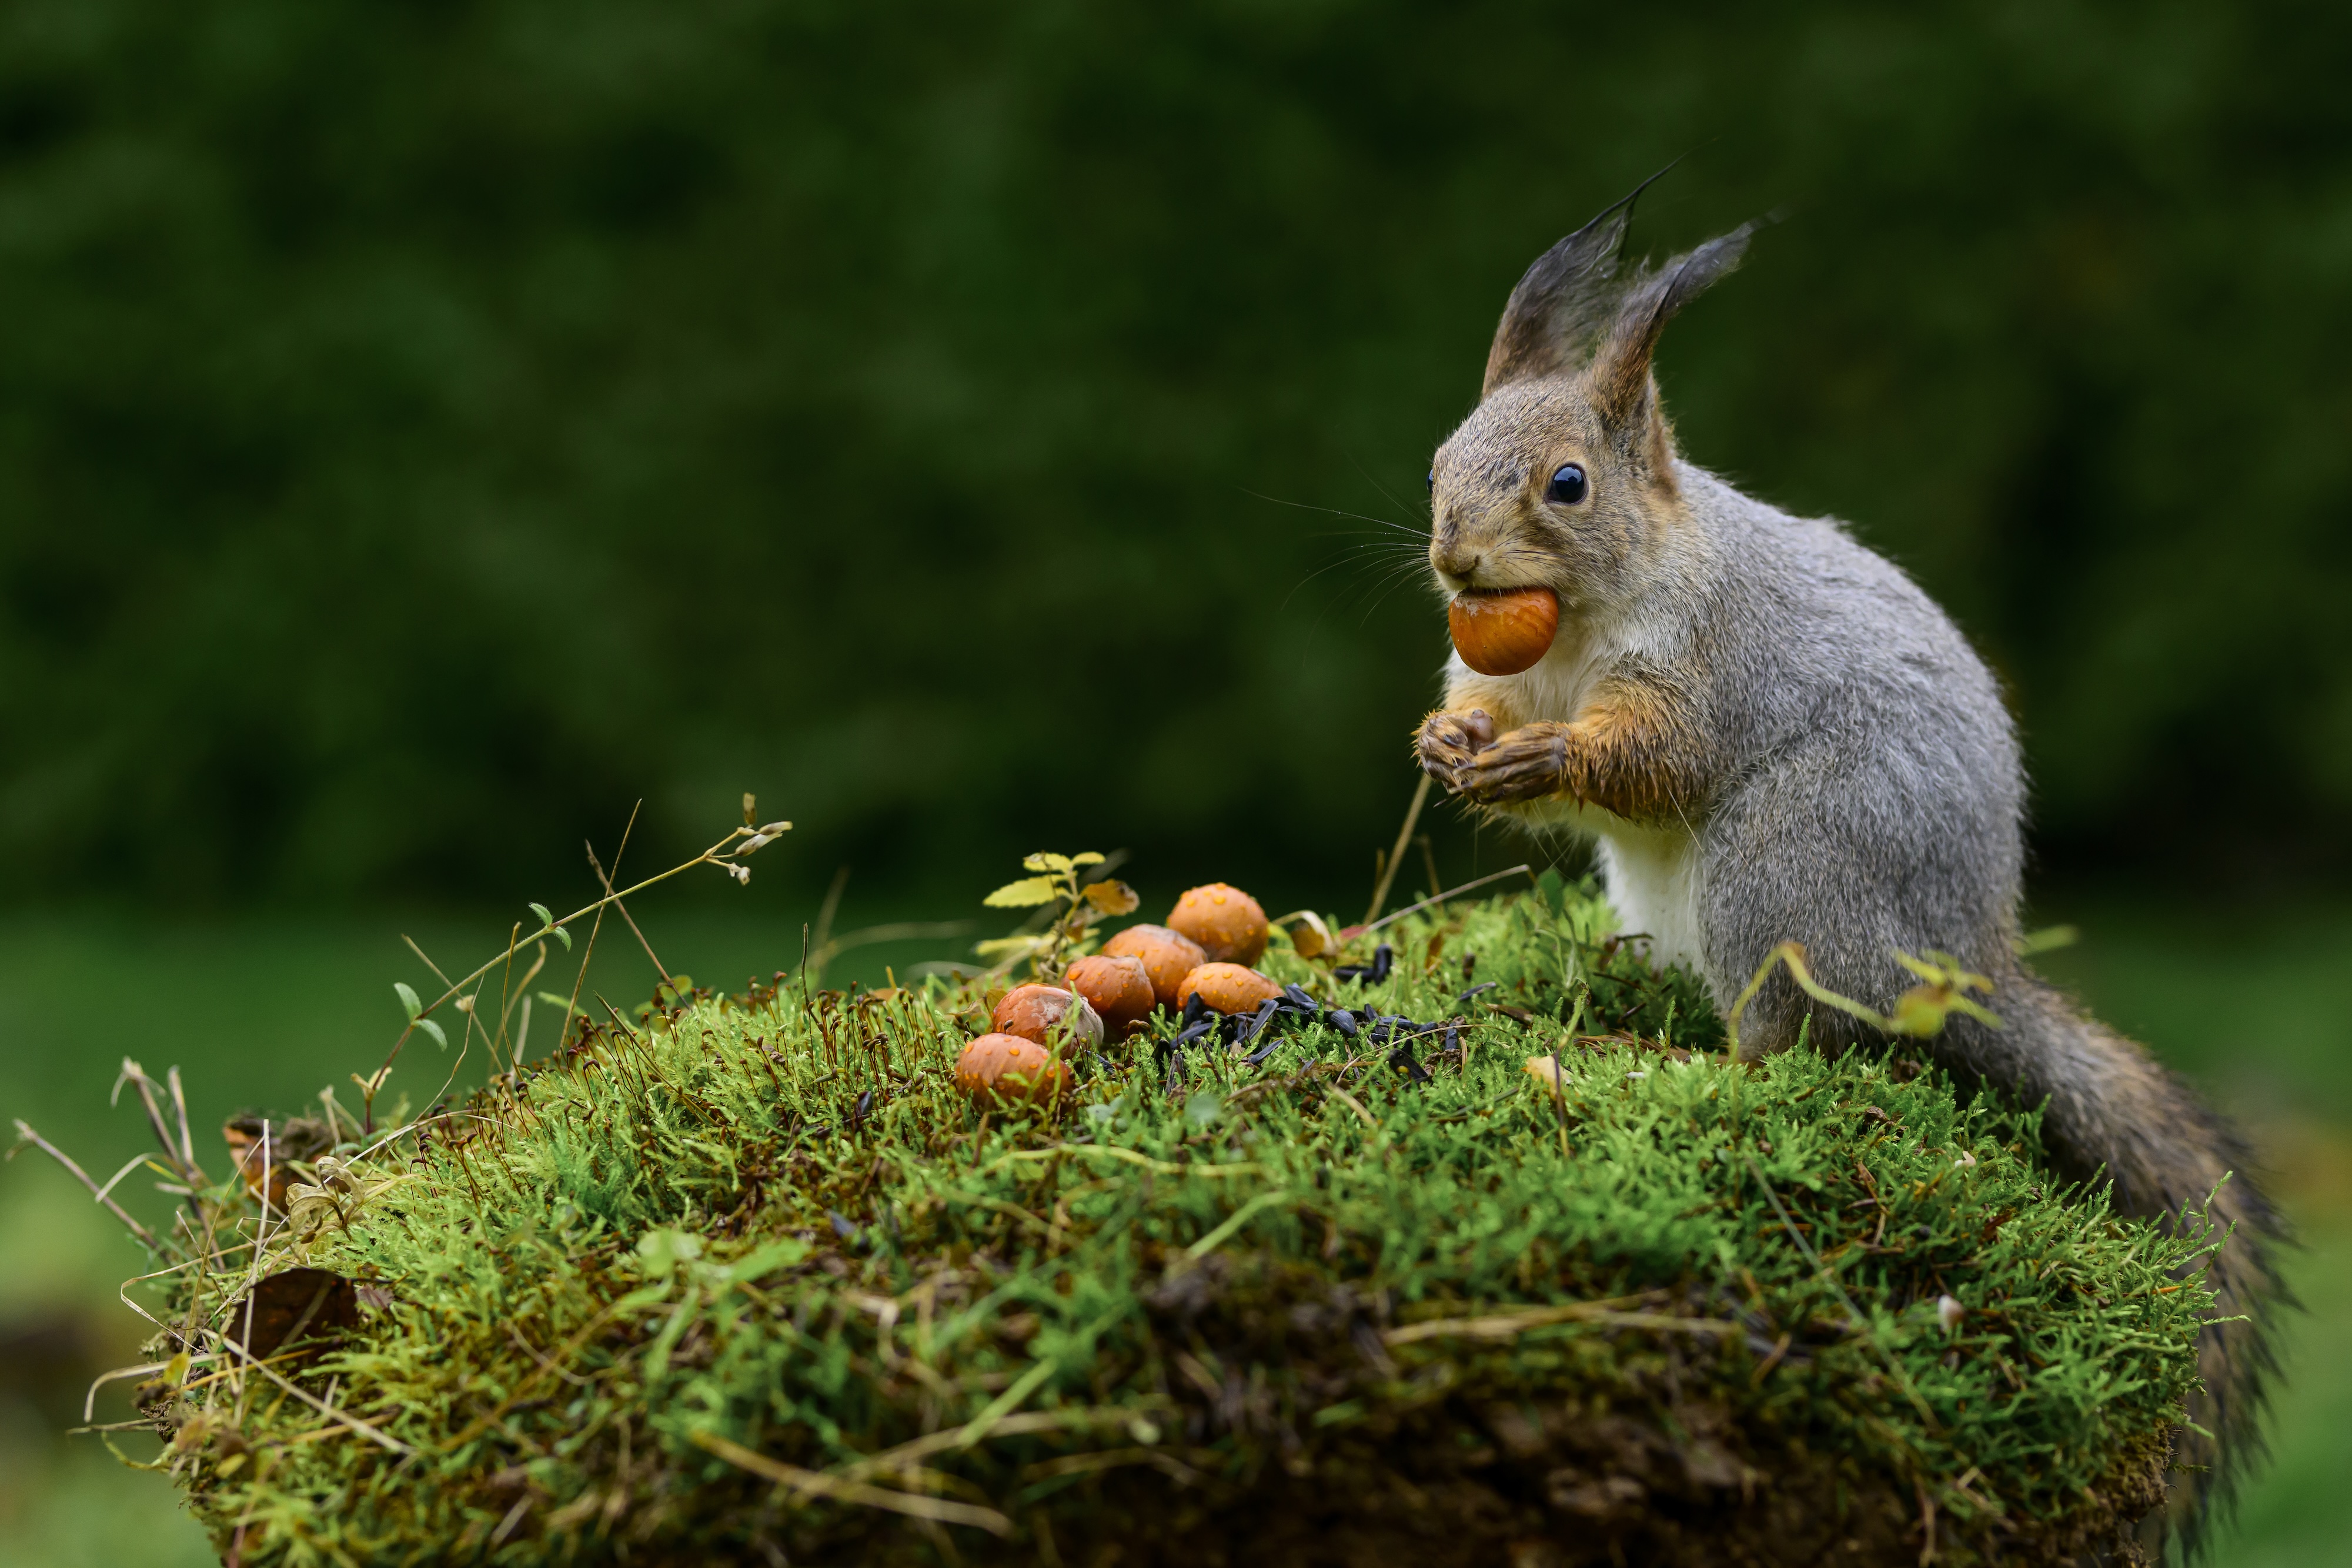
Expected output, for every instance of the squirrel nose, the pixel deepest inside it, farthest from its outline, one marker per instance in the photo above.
(1454, 560)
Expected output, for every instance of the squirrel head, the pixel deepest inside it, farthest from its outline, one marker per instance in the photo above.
(1563, 475)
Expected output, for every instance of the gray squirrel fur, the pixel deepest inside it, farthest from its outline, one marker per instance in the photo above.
(1773, 735)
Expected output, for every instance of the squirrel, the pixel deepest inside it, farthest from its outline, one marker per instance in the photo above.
(1774, 734)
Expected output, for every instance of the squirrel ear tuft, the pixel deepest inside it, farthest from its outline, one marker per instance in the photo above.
(1562, 301)
(1620, 367)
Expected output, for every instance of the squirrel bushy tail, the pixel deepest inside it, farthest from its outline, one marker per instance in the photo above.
(2111, 1112)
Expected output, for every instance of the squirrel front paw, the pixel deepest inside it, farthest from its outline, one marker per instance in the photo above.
(1528, 764)
(1462, 752)
(1448, 742)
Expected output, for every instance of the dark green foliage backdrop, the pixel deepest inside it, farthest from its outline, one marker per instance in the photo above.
(426, 428)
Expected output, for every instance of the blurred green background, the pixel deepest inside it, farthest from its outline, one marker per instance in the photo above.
(427, 431)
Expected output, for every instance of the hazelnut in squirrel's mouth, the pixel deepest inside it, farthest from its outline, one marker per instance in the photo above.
(1502, 631)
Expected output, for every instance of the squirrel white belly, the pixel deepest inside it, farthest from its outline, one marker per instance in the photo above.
(1651, 870)
(1775, 736)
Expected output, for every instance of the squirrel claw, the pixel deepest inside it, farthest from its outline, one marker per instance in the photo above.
(1526, 765)
(1447, 742)
(1460, 751)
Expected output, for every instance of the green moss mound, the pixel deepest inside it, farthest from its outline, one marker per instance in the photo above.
(749, 1281)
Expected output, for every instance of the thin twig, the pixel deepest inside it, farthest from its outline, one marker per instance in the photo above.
(530, 1350)
(313, 1400)
(187, 1139)
(89, 1400)
(716, 854)
(1507, 1325)
(1166, 1463)
(580, 978)
(1158, 1167)
(830, 907)
(806, 1483)
(1353, 1103)
(659, 967)
(519, 992)
(464, 1043)
(136, 1076)
(428, 963)
(135, 1162)
(894, 931)
(260, 1241)
(1396, 855)
(906, 1454)
(1233, 1222)
(1441, 898)
(24, 1134)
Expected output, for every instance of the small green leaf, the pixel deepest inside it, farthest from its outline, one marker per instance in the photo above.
(642, 1297)
(663, 1249)
(560, 935)
(657, 1362)
(545, 919)
(2043, 941)
(409, 1003)
(1089, 858)
(767, 1260)
(1046, 862)
(560, 1004)
(1022, 895)
(1553, 891)
(433, 1029)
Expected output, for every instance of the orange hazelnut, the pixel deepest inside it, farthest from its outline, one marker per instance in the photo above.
(1006, 1067)
(1228, 988)
(1116, 987)
(1166, 956)
(1037, 1012)
(1503, 631)
(1228, 924)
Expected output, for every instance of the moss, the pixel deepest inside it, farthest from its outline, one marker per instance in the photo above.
(1312, 1309)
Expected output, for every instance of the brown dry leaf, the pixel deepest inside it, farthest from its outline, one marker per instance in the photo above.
(298, 1303)
(297, 1140)
(1310, 938)
(1112, 897)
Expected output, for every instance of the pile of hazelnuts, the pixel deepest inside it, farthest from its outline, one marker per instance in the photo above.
(1199, 961)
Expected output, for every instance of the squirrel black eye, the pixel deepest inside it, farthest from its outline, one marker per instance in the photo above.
(1433, 481)
(1567, 485)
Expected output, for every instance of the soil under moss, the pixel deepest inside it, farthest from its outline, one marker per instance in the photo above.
(746, 1281)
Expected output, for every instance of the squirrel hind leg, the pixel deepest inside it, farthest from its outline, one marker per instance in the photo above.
(1780, 868)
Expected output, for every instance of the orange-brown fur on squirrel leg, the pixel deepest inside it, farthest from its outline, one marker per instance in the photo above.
(1631, 752)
